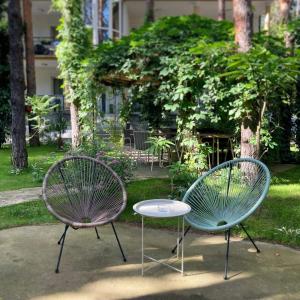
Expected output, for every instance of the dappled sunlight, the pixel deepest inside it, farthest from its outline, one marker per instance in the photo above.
(131, 287)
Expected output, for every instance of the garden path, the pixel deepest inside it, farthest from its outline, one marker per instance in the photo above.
(92, 269)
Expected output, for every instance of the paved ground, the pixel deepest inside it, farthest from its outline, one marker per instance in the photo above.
(93, 269)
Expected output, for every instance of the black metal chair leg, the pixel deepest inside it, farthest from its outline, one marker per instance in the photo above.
(98, 237)
(59, 241)
(61, 248)
(249, 237)
(227, 255)
(124, 258)
(185, 233)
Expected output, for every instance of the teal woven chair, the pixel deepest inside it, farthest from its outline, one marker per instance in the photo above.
(227, 195)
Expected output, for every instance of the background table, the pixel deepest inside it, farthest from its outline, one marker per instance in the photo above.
(164, 208)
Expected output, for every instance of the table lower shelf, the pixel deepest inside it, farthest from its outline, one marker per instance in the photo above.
(164, 263)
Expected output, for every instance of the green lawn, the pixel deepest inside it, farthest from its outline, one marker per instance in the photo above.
(9, 181)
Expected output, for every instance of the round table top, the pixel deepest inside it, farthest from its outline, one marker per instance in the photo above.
(161, 208)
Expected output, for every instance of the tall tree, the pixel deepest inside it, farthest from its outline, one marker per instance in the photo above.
(30, 67)
(285, 112)
(73, 48)
(221, 10)
(284, 10)
(5, 113)
(17, 86)
(242, 15)
(149, 15)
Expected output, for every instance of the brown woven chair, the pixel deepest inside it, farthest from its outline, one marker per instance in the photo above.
(82, 192)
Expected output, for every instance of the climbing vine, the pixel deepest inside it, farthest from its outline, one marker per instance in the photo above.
(189, 65)
(73, 51)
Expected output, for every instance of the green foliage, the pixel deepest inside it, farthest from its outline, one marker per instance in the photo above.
(5, 114)
(159, 65)
(119, 161)
(72, 52)
(115, 133)
(58, 125)
(41, 107)
(189, 66)
(13, 179)
(158, 144)
(40, 167)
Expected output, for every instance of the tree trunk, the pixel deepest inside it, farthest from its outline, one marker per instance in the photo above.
(285, 112)
(242, 15)
(74, 111)
(221, 10)
(18, 129)
(34, 139)
(284, 10)
(149, 16)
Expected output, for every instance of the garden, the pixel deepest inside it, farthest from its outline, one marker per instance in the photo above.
(204, 134)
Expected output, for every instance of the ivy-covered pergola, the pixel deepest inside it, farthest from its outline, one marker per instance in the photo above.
(189, 65)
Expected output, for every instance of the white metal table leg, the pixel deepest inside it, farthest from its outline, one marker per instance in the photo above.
(142, 246)
(178, 236)
(182, 248)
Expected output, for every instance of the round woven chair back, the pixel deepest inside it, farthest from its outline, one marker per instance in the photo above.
(227, 194)
(83, 192)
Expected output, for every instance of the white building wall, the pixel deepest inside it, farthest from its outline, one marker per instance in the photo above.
(44, 80)
(135, 10)
(42, 24)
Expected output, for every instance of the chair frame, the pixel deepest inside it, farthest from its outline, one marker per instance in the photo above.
(76, 225)
(227, 228)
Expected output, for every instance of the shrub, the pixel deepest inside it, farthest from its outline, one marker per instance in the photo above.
(119, 161)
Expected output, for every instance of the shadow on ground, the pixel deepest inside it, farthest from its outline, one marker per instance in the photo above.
(93, 269)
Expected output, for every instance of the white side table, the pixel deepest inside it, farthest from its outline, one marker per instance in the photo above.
(164, 208)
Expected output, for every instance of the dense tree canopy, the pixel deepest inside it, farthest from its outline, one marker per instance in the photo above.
(190, 66)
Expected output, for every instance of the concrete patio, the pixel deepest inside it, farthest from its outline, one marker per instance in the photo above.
(93, 269)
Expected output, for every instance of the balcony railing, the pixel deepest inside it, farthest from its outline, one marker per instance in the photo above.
(44, 45)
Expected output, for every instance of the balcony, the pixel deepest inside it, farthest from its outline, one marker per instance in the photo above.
(44, 46)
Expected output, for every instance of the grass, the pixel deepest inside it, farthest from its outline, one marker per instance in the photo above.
(33, 213)
(36, 155)
(277, 220)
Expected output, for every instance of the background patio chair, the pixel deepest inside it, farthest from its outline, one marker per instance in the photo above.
(225, 196)
(140, 143)
(82, 192)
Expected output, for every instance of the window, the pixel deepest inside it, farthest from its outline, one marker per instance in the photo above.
(109, 18)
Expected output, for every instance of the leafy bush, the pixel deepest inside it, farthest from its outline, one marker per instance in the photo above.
(120, 162)
(158, 145)
(191, 68)
(40, 167)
